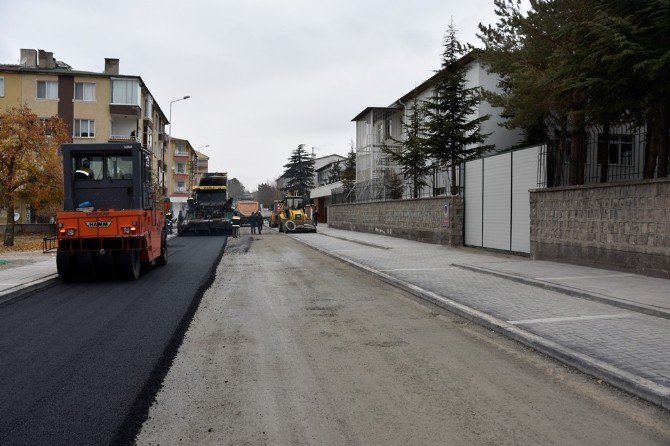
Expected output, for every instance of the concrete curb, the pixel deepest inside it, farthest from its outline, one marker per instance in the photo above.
(26, 288)
(636, 385)
(574, 292)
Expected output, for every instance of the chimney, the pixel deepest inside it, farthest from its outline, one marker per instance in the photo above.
(50, 61)
(45, 59)
(111, 66)
(28, 58)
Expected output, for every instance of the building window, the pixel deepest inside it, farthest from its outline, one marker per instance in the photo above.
(181, 167)
(2, 87)
(84, 91)
(380, 132)
(125, 91)
(47, 90)
(619, 149)
(148, 107)
(84, 128)
(180, 150)
(181, 186)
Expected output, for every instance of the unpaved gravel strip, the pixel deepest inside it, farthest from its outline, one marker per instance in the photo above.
(293, 347)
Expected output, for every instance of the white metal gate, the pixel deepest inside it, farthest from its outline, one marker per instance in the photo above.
(497, 201)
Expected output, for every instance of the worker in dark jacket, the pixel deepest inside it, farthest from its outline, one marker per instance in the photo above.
(259, 221)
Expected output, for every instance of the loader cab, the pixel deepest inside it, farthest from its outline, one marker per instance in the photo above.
(106, 176)
(294, 203)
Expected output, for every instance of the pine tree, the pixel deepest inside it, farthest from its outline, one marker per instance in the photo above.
(411, 154)
(394, 185)
(349, 173)
(335, 172)
(299, 172)
(451, 136)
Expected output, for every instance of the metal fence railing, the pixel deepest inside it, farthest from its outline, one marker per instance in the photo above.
(623, 155)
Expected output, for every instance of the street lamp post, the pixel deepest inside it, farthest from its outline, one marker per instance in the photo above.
(170, 138)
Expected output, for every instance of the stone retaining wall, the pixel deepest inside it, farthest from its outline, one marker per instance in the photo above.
(624, 226)
(421, 219)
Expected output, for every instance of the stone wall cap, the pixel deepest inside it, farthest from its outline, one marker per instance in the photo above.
(604, 185)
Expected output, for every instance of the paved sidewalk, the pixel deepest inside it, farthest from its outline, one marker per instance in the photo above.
(613, 325)
(26, 272)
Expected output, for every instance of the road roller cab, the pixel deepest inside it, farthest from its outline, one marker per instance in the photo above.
(113, 218)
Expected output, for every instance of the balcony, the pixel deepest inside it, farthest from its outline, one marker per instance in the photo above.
(124, 129)
(125, 110)
(123, 138)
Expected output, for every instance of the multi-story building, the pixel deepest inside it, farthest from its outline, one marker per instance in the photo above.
(323, 188)
(202, 165)
(377, 127)
(97, 107)
(181, 176)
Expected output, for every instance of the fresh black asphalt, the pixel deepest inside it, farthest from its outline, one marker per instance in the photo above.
(81, 363)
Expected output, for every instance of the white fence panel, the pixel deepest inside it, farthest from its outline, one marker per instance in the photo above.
(497, 201)
(524, 177)
(473, 203)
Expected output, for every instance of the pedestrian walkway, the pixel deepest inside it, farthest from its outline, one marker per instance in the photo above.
(613, 325)
(23, 272)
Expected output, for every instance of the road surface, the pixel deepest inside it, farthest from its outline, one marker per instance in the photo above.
(81, 362)
(292, 347)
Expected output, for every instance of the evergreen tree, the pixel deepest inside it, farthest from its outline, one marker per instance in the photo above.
(394, 184)
(451, 136)
(349, 173)
(335, 172)
(299, 172)
(567, 65)
(410, 154)
(629, 45)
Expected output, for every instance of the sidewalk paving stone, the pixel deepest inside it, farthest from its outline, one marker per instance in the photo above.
(599, 337)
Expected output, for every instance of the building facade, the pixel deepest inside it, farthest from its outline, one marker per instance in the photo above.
(181, 176)
(377, 127)
(97, 107)
(201, 166)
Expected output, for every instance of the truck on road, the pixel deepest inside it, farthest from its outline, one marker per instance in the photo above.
(245, 208)
(113, 220)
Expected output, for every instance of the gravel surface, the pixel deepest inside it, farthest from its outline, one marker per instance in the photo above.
(292, 347)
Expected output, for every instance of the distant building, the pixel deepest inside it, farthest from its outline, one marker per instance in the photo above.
(202, 166)
(181, 178)
(321, 194)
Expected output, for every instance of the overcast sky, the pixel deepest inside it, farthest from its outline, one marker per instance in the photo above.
(263, 76)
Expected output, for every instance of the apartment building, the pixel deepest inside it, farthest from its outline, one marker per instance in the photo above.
(377, 127)
(98, 107)
(180, 177)
(202, 166)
